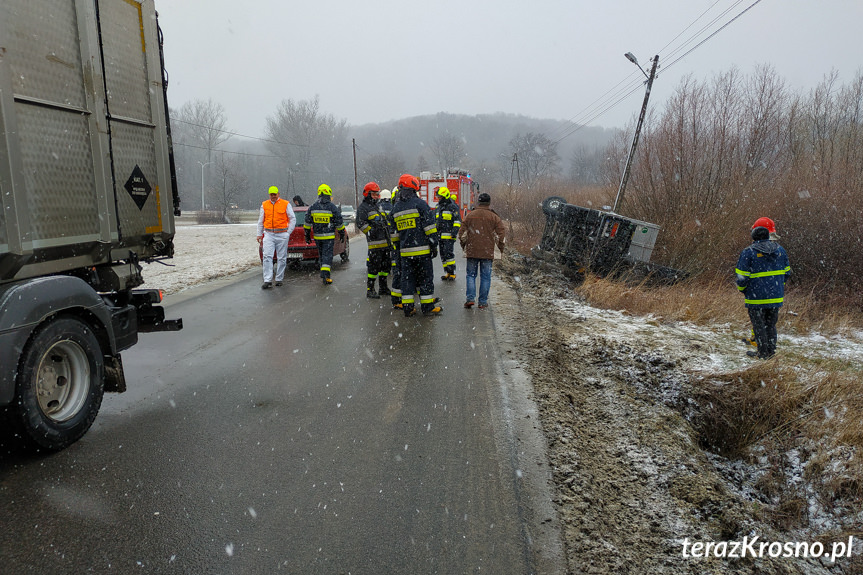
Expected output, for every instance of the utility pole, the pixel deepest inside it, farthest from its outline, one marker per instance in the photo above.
(514, 168)
(203, 206)
(620, 191)
(356, 183)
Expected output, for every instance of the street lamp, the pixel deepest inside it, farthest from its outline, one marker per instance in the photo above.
(202, 184)
(625, 177)
(631, 57)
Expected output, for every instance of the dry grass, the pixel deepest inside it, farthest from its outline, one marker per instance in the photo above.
(793, 401)
(703, 301)
(813, 407)
(695, 300)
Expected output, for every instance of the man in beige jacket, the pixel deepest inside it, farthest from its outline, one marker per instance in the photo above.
(480, 231)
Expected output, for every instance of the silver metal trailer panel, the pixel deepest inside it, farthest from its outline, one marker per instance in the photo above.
(84, 156)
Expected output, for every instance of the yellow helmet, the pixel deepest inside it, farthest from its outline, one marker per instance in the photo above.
(443, 192)
(274, 190)
(324, 189)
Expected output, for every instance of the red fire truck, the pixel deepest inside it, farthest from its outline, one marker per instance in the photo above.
(463, 189)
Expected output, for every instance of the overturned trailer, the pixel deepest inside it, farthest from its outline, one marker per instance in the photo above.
(585, 239)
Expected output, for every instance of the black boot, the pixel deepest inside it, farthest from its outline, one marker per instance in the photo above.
(370, 289)
(384, 288)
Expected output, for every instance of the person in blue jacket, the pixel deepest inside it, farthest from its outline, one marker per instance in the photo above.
(761, 273)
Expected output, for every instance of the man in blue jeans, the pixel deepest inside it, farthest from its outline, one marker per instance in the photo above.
(480, 230)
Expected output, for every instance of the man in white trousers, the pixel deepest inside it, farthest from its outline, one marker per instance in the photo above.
(275, 224)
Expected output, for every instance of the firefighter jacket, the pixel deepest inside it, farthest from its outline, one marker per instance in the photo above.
(371, 220)
(481, 230)
(386, 206)
(324, 218)
(447, 219)
(414, 224)
(761, 273)
(276, 217)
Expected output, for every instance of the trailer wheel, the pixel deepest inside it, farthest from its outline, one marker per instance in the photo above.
(552, 205)
(60, 384)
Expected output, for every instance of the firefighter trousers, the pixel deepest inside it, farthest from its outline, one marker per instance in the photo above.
(417, 273)
(764, 326)
(325, 253)
(396, 279)
(378, 263)
(447, 255)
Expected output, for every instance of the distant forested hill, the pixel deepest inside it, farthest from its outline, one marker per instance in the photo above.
(485, 137)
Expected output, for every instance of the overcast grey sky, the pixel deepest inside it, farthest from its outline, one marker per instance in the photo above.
(379, 60)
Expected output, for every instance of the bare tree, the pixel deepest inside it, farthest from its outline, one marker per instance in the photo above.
(448, 150)
(536, 156)
(422, 164)
(586, 166)
(384, 169)
(230, 183)
(313, 145)
(199, 127)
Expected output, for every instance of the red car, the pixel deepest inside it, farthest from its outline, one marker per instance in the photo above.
(299, 251)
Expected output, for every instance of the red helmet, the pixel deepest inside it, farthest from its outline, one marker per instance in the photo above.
(371, 187)
(765, 223)
(409, 182)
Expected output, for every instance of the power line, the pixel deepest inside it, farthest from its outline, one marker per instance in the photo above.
(713, 34)
(597, 111)
(238, 134)
(225, 151)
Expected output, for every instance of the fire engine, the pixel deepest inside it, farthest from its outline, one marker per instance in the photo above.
(460, 184)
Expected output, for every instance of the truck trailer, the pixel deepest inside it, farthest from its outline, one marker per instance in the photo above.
(88, 193)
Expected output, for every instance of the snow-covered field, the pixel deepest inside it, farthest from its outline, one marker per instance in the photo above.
(204, 253)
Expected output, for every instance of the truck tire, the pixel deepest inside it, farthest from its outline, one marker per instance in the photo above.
(60, 384)
(552, 205)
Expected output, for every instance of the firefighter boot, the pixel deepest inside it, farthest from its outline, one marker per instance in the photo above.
(409, 309)
(370, 289)
(384, 289)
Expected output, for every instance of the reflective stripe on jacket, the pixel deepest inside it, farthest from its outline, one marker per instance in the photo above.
(372, 222)
(761, 272)
(324, 219)
(447, 219)
(414, 224)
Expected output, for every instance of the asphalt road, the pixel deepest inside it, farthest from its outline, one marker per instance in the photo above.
(303, 429)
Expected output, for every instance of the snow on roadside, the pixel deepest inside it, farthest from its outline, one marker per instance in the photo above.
(204, 253)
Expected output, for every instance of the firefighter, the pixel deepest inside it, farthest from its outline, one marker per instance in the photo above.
(323, 222)
(276, 221)
(448, 222)
(414, 222)
(385, 206)
(761, 272)
(384, 202)
(395, 258)
(372, 222)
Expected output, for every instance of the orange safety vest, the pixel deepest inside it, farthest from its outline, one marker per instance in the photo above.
(276, 215)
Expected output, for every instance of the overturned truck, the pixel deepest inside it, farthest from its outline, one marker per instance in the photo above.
(602, 242)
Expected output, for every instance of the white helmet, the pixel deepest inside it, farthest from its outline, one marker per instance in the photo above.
(386, 195)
